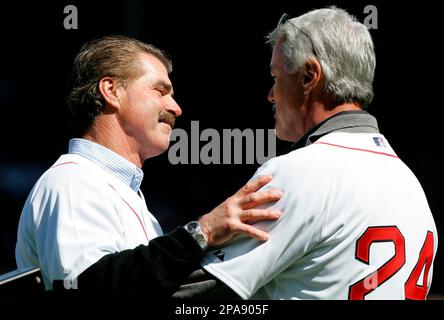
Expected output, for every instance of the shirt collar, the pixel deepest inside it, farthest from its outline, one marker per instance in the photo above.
(345, 121)
(108, 160)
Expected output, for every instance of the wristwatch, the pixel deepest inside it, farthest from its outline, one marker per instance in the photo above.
(194, 230)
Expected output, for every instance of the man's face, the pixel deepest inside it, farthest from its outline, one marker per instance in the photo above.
(148, 109)
(287, 96)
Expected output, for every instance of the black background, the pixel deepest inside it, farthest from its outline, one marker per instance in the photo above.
(221, 78)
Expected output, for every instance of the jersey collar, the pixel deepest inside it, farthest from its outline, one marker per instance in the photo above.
(345, 121)
(108, 160)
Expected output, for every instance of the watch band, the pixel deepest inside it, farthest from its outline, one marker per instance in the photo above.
(194, 230)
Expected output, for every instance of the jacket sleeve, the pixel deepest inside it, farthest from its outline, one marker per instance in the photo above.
(154, 270)
(201, 285)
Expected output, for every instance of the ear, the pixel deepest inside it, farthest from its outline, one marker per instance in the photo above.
(312, 75)
(108, 88)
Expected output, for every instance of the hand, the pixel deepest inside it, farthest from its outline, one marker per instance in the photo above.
(234, 215)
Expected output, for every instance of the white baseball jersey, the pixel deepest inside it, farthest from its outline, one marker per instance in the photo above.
(355, 225)
(77, 213)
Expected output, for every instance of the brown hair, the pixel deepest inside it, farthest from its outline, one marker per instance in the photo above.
(111, 56)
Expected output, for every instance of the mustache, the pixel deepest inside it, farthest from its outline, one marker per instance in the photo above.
(274, 107)
(168, 118)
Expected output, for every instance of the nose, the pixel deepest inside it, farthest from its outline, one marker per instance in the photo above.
(173, 107)
(271, 95)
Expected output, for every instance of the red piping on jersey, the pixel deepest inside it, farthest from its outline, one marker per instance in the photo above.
(61, 164)
(138, 218)
(134, 211)
(358, 149)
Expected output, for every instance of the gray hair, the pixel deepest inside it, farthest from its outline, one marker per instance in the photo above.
(342, 45)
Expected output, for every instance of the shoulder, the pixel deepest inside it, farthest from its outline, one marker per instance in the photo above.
(69, 173)
(310, 161)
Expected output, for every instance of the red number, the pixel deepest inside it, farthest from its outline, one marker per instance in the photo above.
(412, 290)
(360, 289)
(363, 287)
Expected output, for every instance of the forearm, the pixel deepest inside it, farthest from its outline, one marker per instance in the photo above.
(156, 269)
(204, 286)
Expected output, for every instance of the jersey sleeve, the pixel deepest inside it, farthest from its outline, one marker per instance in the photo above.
(245, 264)
(73, 221)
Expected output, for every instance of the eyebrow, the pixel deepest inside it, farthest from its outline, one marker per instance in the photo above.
(165, 85)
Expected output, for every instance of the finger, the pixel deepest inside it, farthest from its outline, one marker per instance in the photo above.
(257, 198)
(253, 232)
(255, 215)
(254, 185)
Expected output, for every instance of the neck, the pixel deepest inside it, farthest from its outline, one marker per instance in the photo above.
(107, 132)
(321, 110)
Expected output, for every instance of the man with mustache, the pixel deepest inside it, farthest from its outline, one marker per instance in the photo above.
(85, 222)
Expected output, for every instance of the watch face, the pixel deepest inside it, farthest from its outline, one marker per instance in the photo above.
(192, 226)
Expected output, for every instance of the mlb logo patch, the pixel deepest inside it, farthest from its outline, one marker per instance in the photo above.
(379, 142)
(220, 254)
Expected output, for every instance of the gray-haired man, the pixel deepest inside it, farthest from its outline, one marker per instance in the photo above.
(356, 222)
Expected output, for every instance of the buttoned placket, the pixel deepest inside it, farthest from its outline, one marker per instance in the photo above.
(142, 211)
